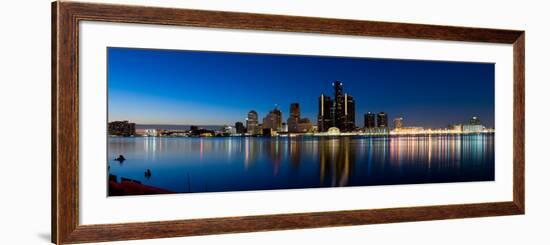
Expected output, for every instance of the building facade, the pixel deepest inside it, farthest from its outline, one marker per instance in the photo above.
(228, 130)
(324, 118)
(370, 120)
(474, 126)
(344, 108)
(382, 120)
(295, 123)
(251, 122)
(285, 127)
(469, 128)
(148, 132)
(294, 118)
(305, 125)
(274, 120)
(258, 130)
(239, 126)
(398, 123)
(339, 112)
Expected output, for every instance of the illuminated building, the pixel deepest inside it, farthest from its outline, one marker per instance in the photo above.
(339, 112)
(377, 131)
(304, 125)
(122, 128)
(297, 124)
(344, 108)
(294, 118)
(258, 130)
(470, 128)
(370, 121)
(314, 128)
(285, 127)
(148, 132)
(229, 130)
(295, 110)
(474, 126)
(475, 121)
(349, 123)
(382, 120)
(333, 131)
(273, 120)
(239, 127)
(410, 130)
(457, 128)
(252, 122)
(324, 119)
(398, 123)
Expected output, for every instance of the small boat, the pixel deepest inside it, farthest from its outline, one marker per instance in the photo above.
(120, 158)
(148, 173)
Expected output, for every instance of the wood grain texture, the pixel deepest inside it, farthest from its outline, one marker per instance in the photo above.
(54, 123)
(234, 20)
(519, 122)
(149, 230)
(65, 122)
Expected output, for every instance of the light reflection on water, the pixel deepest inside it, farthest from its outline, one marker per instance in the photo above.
(236, 164)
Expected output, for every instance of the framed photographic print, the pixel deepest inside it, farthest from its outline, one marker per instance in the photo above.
(175, 122)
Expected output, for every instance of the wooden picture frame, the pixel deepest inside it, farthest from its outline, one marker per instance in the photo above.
(65, 121)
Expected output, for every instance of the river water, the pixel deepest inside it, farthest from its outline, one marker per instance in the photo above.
(215, 164)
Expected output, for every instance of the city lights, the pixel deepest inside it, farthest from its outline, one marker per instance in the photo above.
(335, 118)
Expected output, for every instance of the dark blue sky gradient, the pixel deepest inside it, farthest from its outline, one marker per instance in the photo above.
(149, 86)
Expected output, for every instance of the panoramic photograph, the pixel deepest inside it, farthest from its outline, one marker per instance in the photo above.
(182, 121)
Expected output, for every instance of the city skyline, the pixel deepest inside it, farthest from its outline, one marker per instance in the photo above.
(210, 88)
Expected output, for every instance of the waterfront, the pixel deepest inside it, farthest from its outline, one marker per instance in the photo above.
(185, 164)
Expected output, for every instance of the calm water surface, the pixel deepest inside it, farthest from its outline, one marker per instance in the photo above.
(255, 163)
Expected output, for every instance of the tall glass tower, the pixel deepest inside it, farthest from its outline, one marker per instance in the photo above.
(344, 108)
(325, 118)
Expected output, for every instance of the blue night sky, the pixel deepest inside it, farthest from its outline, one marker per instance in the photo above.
(149, 86)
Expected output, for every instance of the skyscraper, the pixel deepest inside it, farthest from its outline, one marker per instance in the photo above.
(370, 121)
(239, 126)
(324, 118)
(382, 120)
(293, 118)
(339, 112)
(295, 110)
(344, 108)
(398, 123)
(339, 103)
(273, 120)
(349, 113)
(251, 122)
(295, 123)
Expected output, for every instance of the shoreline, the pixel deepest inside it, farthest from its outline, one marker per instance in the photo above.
(319, 135)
